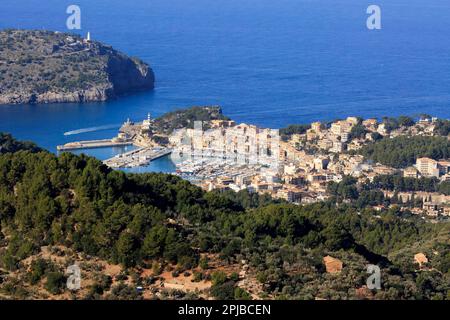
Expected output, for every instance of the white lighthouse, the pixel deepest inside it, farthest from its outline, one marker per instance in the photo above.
(147, 123)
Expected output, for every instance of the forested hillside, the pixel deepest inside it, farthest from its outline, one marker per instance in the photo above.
(403, 151)
(9, 144)
(137, 219)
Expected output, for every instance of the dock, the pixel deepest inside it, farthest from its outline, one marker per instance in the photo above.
(138, 157)
(93, 144)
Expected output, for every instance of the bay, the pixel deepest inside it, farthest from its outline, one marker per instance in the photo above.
(270, 63)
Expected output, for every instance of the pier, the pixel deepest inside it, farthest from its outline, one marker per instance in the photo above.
(137, 158)
(130, 133)
(93, 144)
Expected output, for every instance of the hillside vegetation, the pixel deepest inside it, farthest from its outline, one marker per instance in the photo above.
(185, 118)
(403, 151)
(9, 144)
(46, 66)
(77, 202)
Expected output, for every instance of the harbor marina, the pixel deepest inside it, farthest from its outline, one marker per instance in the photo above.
(137, 158)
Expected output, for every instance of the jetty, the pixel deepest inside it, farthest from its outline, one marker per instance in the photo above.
(130, 133)
(94, 144)
(137, 158)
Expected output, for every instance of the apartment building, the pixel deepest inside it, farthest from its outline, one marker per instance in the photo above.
(428, 167)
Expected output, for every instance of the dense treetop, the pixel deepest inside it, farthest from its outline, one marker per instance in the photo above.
(403, 151)
(8, 144)
(287, 132)
(184, 118)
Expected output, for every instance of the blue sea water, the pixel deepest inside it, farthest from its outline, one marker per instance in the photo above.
(271, 63)
(164, 164)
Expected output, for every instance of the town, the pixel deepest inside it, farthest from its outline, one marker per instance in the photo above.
(299, 169)
(297, 166)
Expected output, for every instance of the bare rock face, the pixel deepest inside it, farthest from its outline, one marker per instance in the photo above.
(332, 265)
(421, 259)
(50, 67)
(89, 95)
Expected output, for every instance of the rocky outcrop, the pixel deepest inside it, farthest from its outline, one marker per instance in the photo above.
(421, 259)
(49, 67)
(332, 265)
(89, 95)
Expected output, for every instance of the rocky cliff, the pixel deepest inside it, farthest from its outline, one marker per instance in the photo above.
(47, 67)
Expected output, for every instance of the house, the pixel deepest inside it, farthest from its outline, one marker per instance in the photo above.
(317, 178)
(325, 144)
(427, 167)
(290, 195)
(431, 208)
(338, 147)
(355, 145)
(379, 208)
(311, 134)
(320, 163)
(332, 265)
(290, 169)
(444, 167)
(411, 172)
(352, 121)
(420, 258)
(383, 170)
(382, 129)
(370, 124)
(316, 126)
(446, 211)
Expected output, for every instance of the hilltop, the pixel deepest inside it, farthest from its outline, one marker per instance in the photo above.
(185, 118)
(47, 67)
